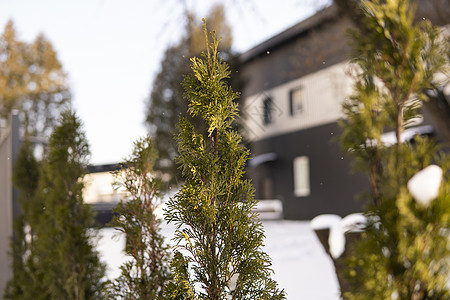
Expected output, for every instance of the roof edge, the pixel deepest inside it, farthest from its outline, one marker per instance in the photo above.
(293, 31)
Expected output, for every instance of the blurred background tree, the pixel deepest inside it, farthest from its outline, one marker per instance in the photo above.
(33, 81)
(60, 261)
(145, 273)
(166, 103)
(403, 253)
(438, 103)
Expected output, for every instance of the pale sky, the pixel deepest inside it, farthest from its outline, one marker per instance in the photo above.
(111, 51)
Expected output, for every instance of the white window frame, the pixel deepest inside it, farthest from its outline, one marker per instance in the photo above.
(302, 187)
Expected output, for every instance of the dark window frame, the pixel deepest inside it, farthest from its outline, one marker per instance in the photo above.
(291, 101)
(267, 111)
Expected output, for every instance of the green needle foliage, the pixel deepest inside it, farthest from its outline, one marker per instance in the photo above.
(66, 263)
(166, 104)
(404, 253)
(144, 275)
(219, 240)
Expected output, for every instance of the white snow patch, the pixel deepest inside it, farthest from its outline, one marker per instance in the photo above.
(325, 221)
(110, 246)
(269, 209)
(336, 240)
(338, 227)
(424, 185)
(354, 222)
(299, 261)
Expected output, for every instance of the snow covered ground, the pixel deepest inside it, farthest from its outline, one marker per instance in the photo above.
(301, 265)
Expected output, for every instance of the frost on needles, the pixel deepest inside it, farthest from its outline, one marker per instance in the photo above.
(219, 239)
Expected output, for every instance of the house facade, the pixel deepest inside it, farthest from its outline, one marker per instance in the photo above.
(294, 85)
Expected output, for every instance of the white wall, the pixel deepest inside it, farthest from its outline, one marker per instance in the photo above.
(98, 188)
(323, 92)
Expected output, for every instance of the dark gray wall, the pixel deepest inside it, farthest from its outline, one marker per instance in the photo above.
(333, 188)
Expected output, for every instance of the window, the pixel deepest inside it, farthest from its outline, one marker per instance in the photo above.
(267, 111)
(296, 102)
(301, 176)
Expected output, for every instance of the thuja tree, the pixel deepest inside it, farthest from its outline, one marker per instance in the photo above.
(219, 239)
(145, 273)
(166, 104)
(66, 263)
(404, 252)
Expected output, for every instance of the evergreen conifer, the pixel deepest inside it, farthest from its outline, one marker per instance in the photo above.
(166, 104)
(219, 239)
(404, 251)
(66, 264)
(145, 274)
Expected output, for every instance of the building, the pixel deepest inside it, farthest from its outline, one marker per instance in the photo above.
(293, 87)
(100, 193)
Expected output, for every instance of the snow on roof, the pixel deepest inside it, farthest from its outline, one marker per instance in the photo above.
(291, 33)
(262, 158)
(389, 138)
